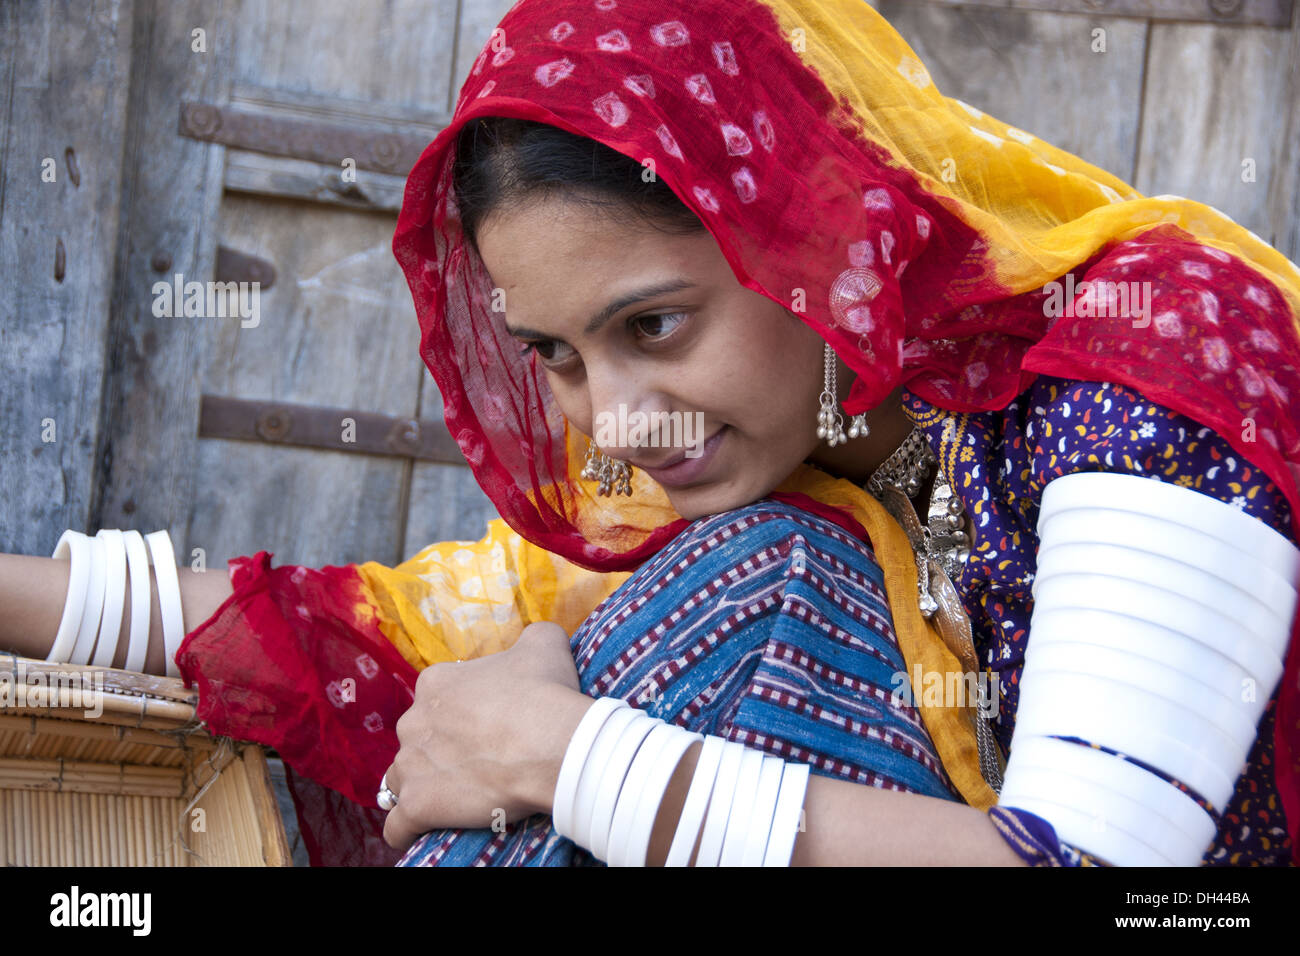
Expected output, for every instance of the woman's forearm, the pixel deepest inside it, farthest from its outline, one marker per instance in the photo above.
(845, 824)
(848, 824)
(33, 591)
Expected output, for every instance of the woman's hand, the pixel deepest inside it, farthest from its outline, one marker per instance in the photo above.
(483, 742)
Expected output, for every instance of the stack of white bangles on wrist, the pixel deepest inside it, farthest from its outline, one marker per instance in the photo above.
(743, 806)
(1160, 623)
(97, 581)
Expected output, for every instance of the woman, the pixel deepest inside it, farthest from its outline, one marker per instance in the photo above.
(913, 277)
(821, 179)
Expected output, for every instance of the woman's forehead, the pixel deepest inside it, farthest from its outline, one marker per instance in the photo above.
(590, 253)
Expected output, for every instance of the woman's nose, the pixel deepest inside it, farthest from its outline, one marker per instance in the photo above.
(627, 415)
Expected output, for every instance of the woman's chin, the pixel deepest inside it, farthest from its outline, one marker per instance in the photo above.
(712, 498)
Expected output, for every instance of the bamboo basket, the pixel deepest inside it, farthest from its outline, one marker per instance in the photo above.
(103, 767)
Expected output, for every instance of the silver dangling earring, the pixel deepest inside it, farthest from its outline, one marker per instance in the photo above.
(830, 423)
(615, 475)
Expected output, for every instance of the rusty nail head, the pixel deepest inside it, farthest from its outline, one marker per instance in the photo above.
(203, 119)
(1226, 8)
(161, 262)
(273, 424)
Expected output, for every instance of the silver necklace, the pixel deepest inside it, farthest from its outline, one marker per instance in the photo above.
(947, 537)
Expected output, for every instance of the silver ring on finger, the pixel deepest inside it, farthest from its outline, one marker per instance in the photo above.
(386, 798)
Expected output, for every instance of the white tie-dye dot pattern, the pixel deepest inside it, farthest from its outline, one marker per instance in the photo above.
(705, 198)
(1218, 358)
(611, 109)
(862, 253)
(763, 130)
(548, 74)
(877, 200)
(914, 71)
(1198, 270)
(1210, 306)
(1258, 296)
(561, 31)
(1251, 382)
(615, 41)
(1168, 325)
(671, 33)
(737, 142)
(886, 246)
(725, 57)
(988, 137)
(746, 188)
(641, 85)
(1263, 340)
(700, 88)
(667, 141)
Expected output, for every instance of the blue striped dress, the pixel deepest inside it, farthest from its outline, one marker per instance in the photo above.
(767, 626)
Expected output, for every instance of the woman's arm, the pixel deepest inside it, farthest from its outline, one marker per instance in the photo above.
(514, 714)
(849, 824)
(33, 591)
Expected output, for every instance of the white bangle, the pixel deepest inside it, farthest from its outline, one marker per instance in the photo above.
(760, 828)
(715, 819)
(137, 561)
(789, 811)
(612, 775)
(73, 545)
(584, 802)
(649, 795)
(169, 597)
(575, 759)
(94, 604)
(742, 808)
(1208, 607)
(110, 627)
(697, 801)
(638, 775)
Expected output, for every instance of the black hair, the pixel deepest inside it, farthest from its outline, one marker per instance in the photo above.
(503, 161)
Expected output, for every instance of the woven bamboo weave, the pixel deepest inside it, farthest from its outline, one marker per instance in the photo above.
(103, 767)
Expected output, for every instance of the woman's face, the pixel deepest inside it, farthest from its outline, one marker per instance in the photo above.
(742, 372)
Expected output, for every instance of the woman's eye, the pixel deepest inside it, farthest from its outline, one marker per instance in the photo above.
(549, 351)
(659, 326)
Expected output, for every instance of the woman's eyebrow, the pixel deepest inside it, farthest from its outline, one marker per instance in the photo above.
(615, 306)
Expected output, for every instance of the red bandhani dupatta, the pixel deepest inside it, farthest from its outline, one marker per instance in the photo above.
(918, 235)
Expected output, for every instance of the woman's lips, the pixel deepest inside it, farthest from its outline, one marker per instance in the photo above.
(683, 470)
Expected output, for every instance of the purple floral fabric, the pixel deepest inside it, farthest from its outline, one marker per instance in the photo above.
(999, 463)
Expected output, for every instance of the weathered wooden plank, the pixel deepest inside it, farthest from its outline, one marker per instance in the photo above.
(1036, 71)
(1273, 13)
(333, 331)
(1211, 120)
(446, 504)
(172, 187)
(64, 74)
(338, 329)
(314, 182)
(1284, 184)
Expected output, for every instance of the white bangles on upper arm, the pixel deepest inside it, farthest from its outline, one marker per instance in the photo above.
(1160, 623)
